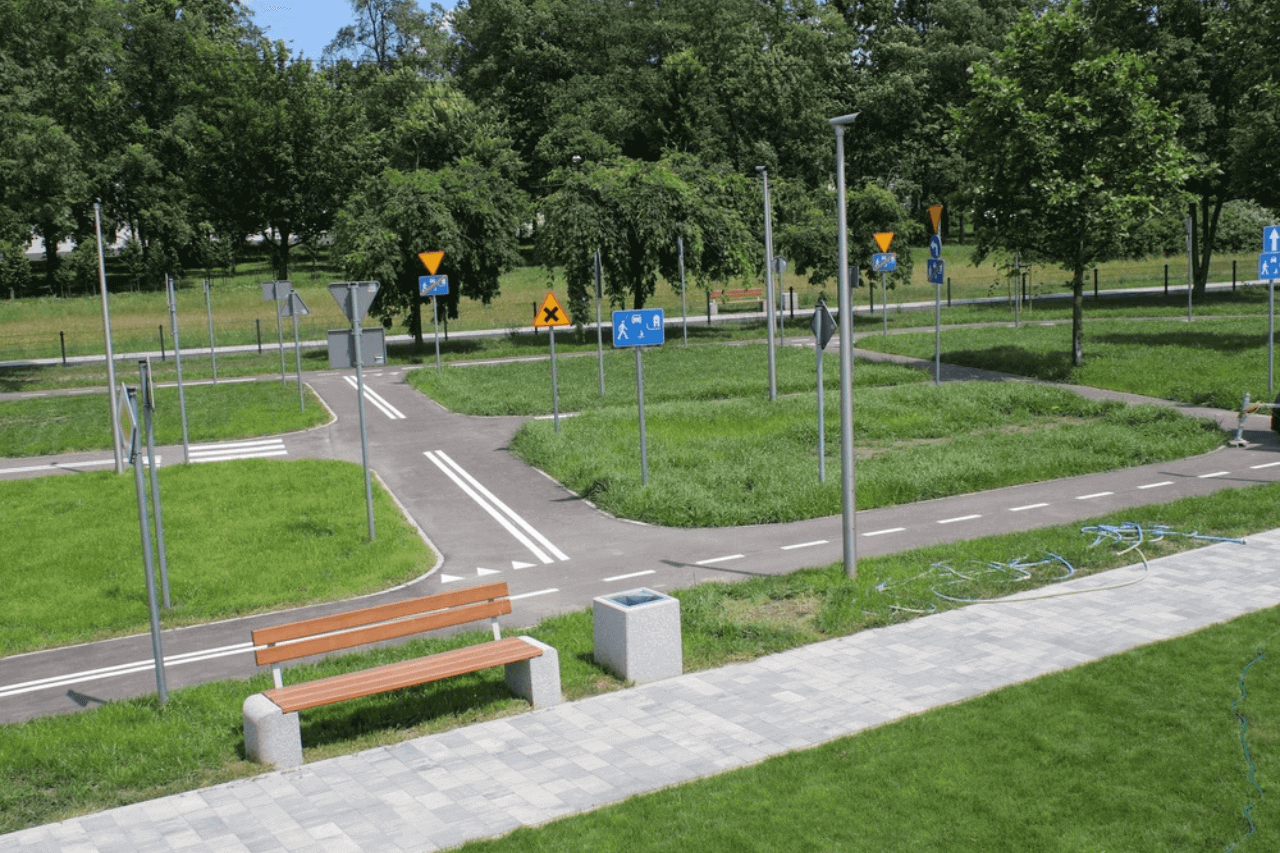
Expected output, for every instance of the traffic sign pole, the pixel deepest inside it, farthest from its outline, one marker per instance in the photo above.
(435, 318)
(768, 283)
(297, 347)
(355, 314)
(849, 518)
(148, 560)
(177, 360)
(644, 442)
(555, 385)
(599, 271)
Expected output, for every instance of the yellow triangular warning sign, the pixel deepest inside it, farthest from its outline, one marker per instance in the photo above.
(431, 260)
(550, 313)
(883, 239)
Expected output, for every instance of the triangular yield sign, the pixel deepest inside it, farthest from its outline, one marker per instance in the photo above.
(935, 216)
(883, 239)
(550, 314)
(431, 260)
(483, 572)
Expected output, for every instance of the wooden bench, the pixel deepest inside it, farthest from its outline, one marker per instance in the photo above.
(272, 732)
(741, 296)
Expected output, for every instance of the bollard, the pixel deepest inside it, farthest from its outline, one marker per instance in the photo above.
(161, 328)
(258, 325)
(62, 339)
(1233, 276)
(1166, 279)
(1095, 282)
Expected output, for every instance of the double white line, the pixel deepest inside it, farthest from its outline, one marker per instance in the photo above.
(121, 669)
(503, 514)
(379, 403)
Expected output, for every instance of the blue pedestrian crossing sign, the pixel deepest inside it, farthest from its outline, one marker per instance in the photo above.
(1269, 265)
(645, 327)
(937, 270)
(433, 285)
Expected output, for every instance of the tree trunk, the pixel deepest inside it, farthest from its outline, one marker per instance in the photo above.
(282, 253)
(1077, 316)
(1202, 239)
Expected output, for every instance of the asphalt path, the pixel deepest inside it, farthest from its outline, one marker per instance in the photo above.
(489, 517)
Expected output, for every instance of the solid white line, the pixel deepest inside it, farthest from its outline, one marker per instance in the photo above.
(122, 669)
(1214, 474)
(497, 516)
(1157, 485)
(1094, 495)
(1028, 506)
(532, 594)
(959, 518)
(632, 575)
(1264, 465)
(724, 559)
(528, 528)
(53, 466)
(804, 544)
(886, 530)
(379, 403)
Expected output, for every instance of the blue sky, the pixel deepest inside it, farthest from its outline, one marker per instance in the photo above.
(308, 25)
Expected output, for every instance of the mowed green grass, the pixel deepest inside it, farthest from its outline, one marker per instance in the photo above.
(1210, 361)
(41, 426)
(241, 537)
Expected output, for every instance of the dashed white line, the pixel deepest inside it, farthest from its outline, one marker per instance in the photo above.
(1094, 495)
(804, 544)
(1264, 465)
(1157, 485)
(1028, 506)
(1214, 474)
(532, 594)
(886, 530)
(630, 576)
(720, 559)
(958, 518)
(54, 466)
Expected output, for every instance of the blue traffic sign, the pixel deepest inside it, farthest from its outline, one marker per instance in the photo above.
(433, 285)
(884, 261)
(1271, 239)
(935, 247)
(1269, 265)
(937, 270)
(643, 327)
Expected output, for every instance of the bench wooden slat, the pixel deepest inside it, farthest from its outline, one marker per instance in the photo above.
(379, 613)
(337, 688)
(384, 631)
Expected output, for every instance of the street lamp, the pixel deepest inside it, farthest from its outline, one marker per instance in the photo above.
(768, 281)
(848, 516)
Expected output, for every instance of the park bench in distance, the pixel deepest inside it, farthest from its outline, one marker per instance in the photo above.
(717, 298)
(272, 733)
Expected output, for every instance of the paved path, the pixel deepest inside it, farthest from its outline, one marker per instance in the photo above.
(486, 780)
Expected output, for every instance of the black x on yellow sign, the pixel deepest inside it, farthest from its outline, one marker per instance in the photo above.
(550, 314)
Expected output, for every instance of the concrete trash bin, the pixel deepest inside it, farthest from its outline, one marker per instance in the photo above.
(637, 635)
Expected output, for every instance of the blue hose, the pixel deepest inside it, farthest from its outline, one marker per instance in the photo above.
(1244, 744)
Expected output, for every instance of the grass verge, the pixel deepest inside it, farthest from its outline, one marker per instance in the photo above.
(128, 751)
(224, 522)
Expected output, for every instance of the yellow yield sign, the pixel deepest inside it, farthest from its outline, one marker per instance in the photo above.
(431, 260)
(883, 239)
(550, 314)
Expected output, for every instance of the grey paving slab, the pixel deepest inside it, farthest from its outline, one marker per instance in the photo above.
(441, 791)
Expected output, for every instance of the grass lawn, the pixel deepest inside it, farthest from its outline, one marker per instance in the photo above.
(1142, 747)
(41, 426)
(1210, 361)
(224, 522)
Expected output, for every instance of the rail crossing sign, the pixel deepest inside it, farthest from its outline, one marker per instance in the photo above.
(550, 314)
(644, 327)
(433, 285)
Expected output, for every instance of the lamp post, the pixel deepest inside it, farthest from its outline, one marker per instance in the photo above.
(768, 281)
(848, 517)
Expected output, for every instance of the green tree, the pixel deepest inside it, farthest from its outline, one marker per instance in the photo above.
(1069, 148)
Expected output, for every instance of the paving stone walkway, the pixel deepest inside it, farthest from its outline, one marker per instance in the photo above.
(440, 791)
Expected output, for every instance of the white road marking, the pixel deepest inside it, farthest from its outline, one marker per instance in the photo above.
(630, 576)
(886, 530)
(1028, 506)
(54, 466)
(238, 450)
(1264, 465)
(1214, 474)
(378, 401)
(724, 559)
(524, 532)
(804, 545)
(1094, 495)
(121, 669)
(532, 594)
(958, 518)
(1157, 485)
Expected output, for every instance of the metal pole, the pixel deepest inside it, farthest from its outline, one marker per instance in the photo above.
(1017, 291)
(148, 409)
(208, 310)
(297, 352)
(1271, 335)
(275, 293)
(822, 429)
(884, 304)
(847, 509)
(62, 342)
(555, 387)
(364, 434)
(117, 439)
(1189, 269)
(599, 270)
(177, 359)
(937, 334)
(435, 316)
(779, 263)
(644, 441)
(684, 308)
(144, 523)
(768, 282)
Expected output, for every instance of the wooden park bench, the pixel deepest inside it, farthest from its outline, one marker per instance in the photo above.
(272, 732)
(741, 296)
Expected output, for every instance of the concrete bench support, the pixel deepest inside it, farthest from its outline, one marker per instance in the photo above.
(270, 735)
(537, 679)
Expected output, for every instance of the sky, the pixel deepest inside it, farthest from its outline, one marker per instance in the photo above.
(307, 26)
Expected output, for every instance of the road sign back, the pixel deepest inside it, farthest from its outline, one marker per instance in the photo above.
(823, 325)
(883, 239)
(365, 291)
(550, 314)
